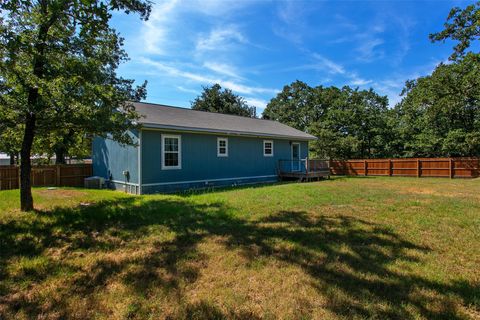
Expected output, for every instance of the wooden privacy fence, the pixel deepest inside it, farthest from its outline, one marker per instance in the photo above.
(409, 167)
(66, 175)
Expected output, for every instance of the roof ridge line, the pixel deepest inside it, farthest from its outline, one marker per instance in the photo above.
(190, 109)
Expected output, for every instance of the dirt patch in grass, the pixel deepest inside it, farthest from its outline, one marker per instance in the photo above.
(59, 193)
(449, 190)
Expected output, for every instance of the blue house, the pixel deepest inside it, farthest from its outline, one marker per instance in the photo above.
(179, 149)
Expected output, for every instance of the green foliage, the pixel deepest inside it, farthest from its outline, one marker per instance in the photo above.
(10, 141)
(62, 144)
(440, 114)
(58, 61)
(462, 26)
(216, 99)
(349, 123)
(66, 54)
(294, 106)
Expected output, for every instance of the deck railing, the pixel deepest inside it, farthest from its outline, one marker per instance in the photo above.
(303, 166)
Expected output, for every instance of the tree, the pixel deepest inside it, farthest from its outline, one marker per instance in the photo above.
(10, 140)
(462, 26)
(62, 143)
(292, 106)
(440, 114)
(348, 122)
(58, 61)
(216, 99)
(10, 144)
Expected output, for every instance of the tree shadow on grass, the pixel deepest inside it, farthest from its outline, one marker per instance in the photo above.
(151, 245)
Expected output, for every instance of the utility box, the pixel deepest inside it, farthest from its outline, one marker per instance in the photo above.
(94, 182)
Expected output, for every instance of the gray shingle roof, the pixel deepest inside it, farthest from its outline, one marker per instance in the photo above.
(167, 117)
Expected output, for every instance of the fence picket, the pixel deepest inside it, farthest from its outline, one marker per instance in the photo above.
(413, 167)
(10, 175)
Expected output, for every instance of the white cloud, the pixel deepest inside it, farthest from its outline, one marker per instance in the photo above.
(159, 31)
(335, 68)
(221, 38)
(222, 68)
(291, 23)
(205, 79)
(405, 24)
(290, 12)
(183, 89)
(246, 89)
(360, 82)
(393, 85)
(156, 29)
(216, 8)
(367, 41)
(368, 49)
(259, 104)
(329, 65)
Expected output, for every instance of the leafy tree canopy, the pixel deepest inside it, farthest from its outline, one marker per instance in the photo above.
(440, 113)
(58, 61)
(462, 26)
(349, 123)
(216, 99)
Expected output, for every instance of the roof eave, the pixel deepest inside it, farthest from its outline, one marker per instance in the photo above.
(226, 132)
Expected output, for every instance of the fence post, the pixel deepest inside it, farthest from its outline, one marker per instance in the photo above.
(418, 168)
(451, 172)
(390, 170)
(365, 167)
(478, 168)
(57, 173)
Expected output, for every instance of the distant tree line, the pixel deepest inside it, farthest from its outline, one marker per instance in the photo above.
(439, 115)
(348, 122)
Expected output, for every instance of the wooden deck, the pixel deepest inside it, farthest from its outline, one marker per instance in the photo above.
(303, 170)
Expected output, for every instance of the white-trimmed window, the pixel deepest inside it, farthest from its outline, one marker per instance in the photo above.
(222, 147)
(171, 152)
(267, 148)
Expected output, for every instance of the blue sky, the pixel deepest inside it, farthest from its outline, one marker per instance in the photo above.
(257, 47)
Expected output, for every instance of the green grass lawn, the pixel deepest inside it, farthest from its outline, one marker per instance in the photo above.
(351, 248)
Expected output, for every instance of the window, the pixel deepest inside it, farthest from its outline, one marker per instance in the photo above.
(171, 152)
(222, 147)
(267, 148)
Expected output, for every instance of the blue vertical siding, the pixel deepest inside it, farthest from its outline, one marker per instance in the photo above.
(201, 167)
(111, 158)
(245, 162)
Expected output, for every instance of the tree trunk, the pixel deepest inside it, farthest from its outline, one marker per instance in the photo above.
(26, 199)
(12, 159)
(60, 155)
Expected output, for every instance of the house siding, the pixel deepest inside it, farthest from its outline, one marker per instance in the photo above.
(111, 158)
(201, 167)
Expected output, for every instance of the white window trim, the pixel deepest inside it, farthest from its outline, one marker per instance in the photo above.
(218, 147)
(179, 152)
(264, 142)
